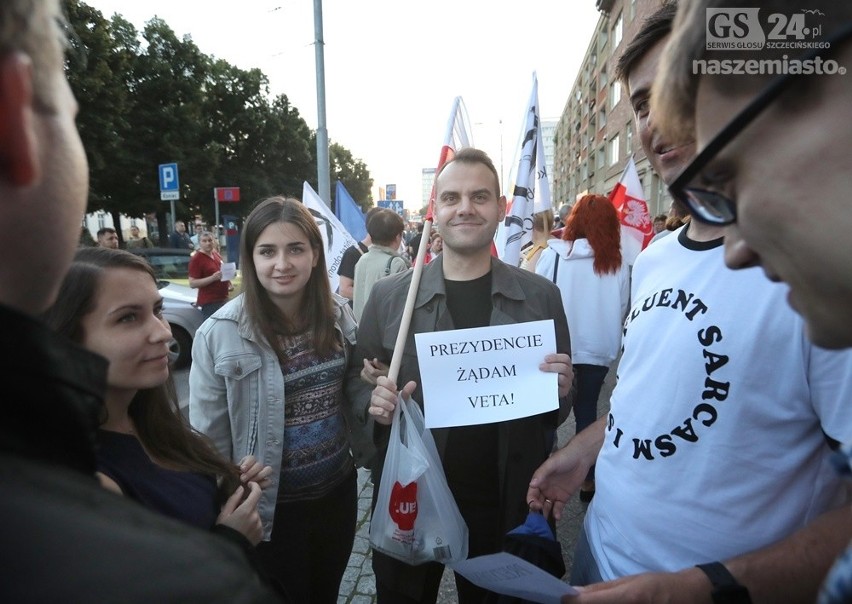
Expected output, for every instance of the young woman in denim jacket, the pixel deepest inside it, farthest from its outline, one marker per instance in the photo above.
(286, 337)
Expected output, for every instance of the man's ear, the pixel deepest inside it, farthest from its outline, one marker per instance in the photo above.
(19, 162)
(501, 202)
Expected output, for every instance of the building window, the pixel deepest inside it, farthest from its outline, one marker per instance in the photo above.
(614, 150)
(628, 138)
(602, 121)
(617, 31)
(615, 94)
(632, 12)
(601, 159)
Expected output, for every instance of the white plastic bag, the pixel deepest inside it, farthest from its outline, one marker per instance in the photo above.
(416, 519)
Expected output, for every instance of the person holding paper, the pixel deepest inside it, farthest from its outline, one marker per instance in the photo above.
(717, 449)
(205, 274)
(487, 465)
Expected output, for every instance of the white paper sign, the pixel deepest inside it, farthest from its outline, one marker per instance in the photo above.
(229, 271)
(512, 576)
(487, 374)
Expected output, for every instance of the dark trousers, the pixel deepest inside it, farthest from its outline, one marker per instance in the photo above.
(209, 309)
(590, 379)
(311, 544)
(484, 537)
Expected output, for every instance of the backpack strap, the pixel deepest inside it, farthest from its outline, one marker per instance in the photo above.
(388, 267)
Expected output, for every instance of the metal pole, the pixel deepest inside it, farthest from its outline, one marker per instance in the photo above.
(216, 212)
(322, 133)
(502, 175)
(172, 203)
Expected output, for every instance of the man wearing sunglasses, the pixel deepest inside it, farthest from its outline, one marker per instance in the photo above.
(726, 455)
(774, 171)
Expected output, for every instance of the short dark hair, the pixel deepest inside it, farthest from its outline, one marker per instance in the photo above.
(471, 156)
(105, 230)
(384, 226)
(655, 27)
(370, 213)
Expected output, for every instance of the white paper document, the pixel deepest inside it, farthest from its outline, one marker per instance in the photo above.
(229, 271)
(487, 374)
(512, 576)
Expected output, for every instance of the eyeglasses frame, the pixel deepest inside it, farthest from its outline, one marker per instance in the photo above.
(772, 91)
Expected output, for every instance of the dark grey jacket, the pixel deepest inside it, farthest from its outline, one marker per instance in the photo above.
(517, 296)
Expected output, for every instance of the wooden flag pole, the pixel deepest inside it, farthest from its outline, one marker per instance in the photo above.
(408, 310)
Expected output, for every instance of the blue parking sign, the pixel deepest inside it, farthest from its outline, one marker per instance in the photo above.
(169, 182)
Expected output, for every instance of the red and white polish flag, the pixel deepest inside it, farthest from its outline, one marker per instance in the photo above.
(628, 197)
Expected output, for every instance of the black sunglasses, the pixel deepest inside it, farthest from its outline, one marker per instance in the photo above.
(712, 207)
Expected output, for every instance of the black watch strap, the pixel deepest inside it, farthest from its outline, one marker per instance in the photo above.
(726, 590)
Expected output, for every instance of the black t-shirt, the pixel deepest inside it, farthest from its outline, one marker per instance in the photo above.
(470, 460)
(350, 258)
(414, 245)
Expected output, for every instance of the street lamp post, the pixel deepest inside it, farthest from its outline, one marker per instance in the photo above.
(502, 173)
(323, 184)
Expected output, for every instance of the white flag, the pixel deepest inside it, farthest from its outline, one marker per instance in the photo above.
(531, 192)
(334, 235)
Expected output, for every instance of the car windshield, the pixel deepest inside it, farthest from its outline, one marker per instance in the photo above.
(170, 266)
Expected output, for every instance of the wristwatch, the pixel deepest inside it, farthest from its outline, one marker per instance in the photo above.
(726, 590)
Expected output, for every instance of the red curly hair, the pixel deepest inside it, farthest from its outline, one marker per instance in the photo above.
(594, 218)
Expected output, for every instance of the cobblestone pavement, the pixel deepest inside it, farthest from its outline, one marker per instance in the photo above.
(359, 583)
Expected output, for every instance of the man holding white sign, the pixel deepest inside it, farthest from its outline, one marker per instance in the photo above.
(487, 463)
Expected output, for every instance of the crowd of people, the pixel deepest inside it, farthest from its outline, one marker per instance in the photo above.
(713, 477)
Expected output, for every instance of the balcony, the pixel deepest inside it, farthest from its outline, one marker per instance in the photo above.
(604, 6)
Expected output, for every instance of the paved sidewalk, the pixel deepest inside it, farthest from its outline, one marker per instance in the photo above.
(359, 583)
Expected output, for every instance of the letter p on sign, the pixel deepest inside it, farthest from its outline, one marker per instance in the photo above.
(169, 182)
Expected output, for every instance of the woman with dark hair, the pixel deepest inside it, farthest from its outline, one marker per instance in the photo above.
(110, 304)
(267, 379)
(587, 267)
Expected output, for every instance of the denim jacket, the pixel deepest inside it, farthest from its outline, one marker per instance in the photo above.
(236, 391)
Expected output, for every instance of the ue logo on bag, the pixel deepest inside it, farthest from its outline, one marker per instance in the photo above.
(403, 505)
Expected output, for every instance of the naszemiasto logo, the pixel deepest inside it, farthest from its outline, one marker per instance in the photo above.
(742, 29)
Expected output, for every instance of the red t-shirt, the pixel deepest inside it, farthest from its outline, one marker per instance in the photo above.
(201, 265)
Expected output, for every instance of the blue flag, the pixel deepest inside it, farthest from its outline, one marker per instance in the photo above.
(349, 213)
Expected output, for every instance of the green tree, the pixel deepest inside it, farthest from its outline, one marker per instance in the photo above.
(143, 104)
(101, 56)
(352, 173)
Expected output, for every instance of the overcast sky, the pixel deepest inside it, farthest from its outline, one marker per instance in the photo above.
(393, 68)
